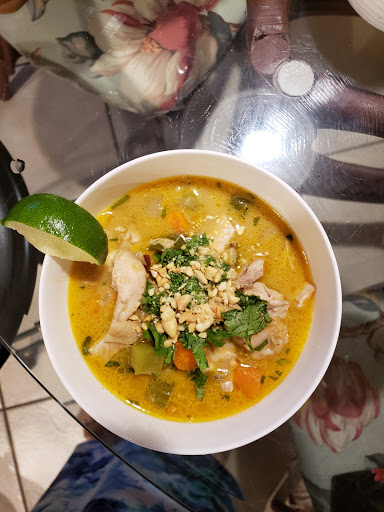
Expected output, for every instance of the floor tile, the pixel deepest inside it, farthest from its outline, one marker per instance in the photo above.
(44, 436)
(10, 495)
(19, 387)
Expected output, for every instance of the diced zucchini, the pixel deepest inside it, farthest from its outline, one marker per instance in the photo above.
(159, 392)
(143, 359)
(179, 242)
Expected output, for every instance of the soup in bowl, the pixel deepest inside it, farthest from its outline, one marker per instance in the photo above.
(215, 314)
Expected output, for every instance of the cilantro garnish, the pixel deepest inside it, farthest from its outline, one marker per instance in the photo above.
(255, 221)
(217, 337)
(273, 378)
(196, 241)
(150, 303)
(226, 397)
(110, 364)
(158, 339)
(120, 201)
(192, 341)
(282, 361)
(163, 213)
(261, 346)
(262, 379)
(86, 344)
(199, 380)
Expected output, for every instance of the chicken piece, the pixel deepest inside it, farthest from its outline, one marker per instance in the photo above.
(277, 306)
(120, 335)
(221, 362)
(277, 335)
(250, 273)
(129, 280)
(304, 295)
(220, 229)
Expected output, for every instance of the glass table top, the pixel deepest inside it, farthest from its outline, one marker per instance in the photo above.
(318, 125)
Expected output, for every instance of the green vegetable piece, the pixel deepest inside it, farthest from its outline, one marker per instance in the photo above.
(262, 379)
(150, 303)
(261, 346)
(290, 238)
(217, 337)
(255, 221)
(287, 350)
(219, 184)
(245, 323)
(241, 204)
(179, 242)
(226, 397)
(110, 364)
(113, 239)
(143, 359)
(120, 201)
(199, 380)
(163, 213)
(82, 287)
(273, 378)
(86, 345)
(278, 373)
(159, 392)
(282, 361)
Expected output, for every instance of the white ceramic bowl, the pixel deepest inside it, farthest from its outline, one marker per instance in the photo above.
(258, 420)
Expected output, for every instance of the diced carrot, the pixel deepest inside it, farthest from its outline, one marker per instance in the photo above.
(178, 221)
(184, 358)
(248, 380)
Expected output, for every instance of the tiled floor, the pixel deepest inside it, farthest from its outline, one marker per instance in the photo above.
(36, 438)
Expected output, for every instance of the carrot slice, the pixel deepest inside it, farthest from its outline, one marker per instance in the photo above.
(248, 380)
(184, 358)
(178, 221)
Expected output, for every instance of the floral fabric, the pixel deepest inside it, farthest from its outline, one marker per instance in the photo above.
(141, 55)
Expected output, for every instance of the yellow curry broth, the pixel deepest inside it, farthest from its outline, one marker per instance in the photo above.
(91, 298)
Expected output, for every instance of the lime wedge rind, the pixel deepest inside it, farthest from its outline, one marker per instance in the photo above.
(58, 227)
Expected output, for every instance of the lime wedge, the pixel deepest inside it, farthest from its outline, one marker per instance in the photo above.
(59, 227)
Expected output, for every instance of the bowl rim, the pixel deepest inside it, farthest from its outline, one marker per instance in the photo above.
(181, 437)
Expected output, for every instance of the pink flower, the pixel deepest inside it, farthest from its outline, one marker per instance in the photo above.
(379, 474)
(159, 48)
(342, 405)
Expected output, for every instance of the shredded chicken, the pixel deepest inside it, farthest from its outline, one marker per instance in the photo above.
(277, 307)
(276, 334)
(250, 273)
(221, 363)
(220, 229)
(129, 280)
(304, 295)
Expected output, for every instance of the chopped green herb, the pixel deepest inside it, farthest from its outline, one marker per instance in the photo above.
(219, 184)
(262, 379)
(85, 346)
(287, 350)
(193, 342)
(196, 241)
(282, 361)
(132, 402)
(112, 363)
(278, 373)
(226, 397)
(290, 238)
(255, 221)
(158, 339)
(113, 239)
(273, 378)
(241, 204)
(82, 287)
(217, 337)
(261, 346)
(157, 257)
(163, 213)
(199, 380)
(151, 303)
(120, 201)
(251, 320)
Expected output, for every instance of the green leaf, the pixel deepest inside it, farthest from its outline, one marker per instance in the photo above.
(110, 364)
(273, 378)
(261, 346)
(86, 344)
(150, 303)
(255, 221)
(245, 323)
(199, 380)
(120, 201)
(262, 379)
(193, 342)
(163, 213)
(113, 239)
(217, 337)
(196, 241)
(226, 397)
(219, 184)
(158, 339)
(282, 361)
